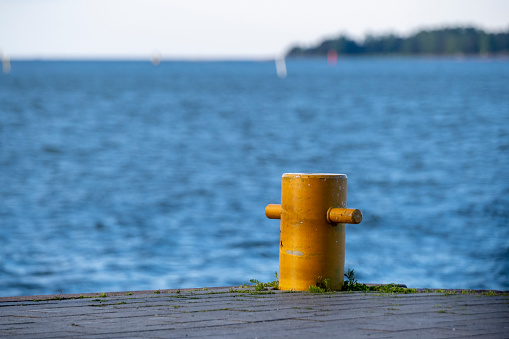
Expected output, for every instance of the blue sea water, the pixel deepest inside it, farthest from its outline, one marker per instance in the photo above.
(125, 176)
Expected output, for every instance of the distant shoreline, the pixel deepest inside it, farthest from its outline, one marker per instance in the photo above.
(453, 41)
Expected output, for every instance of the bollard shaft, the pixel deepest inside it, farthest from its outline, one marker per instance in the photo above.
(313, 215)
(311, 249)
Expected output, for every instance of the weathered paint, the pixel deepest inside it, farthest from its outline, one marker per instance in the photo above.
(313, 214)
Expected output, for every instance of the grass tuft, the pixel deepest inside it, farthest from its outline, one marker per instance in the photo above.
(260, 286)
(321, 286)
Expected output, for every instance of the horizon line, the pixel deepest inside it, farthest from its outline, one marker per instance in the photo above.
(245, 59)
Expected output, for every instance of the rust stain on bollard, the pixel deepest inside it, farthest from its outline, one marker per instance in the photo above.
(313, 214)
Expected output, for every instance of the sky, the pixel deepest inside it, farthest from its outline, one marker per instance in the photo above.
(218, 29)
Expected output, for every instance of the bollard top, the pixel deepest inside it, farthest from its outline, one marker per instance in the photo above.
(314, 175)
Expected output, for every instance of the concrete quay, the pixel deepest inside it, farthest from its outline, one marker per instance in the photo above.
(240, 312)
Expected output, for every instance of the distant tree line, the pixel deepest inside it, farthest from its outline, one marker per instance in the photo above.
(446, 41)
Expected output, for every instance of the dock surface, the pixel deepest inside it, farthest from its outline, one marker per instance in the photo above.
(245, 313)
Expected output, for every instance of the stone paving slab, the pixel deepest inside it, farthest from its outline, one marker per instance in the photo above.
(243, 312)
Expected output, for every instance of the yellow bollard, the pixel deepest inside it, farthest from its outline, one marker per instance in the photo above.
(313, 214)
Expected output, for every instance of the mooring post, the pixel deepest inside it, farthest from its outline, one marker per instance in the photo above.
(313, 215)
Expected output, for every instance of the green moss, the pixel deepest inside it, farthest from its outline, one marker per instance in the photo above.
(490, 293)
(392, 288)
(351, 284)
